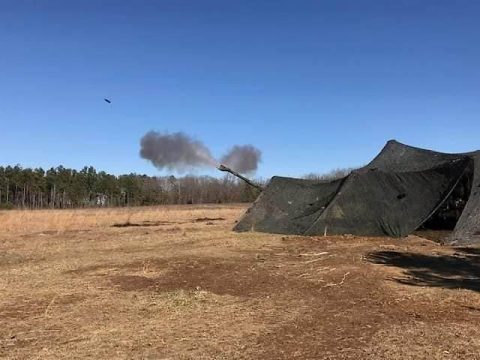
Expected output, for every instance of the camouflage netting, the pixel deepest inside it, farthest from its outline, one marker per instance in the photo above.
(401, 190)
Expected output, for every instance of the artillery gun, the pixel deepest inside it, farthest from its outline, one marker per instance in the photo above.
(234, 173)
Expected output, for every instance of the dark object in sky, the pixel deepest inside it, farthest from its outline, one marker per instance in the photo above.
(248, 181)
(108, 101)
(401, 190)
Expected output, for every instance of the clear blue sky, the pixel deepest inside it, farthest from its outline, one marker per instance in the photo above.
(315, 85)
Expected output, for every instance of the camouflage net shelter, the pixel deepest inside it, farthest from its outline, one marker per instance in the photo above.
(401, 190)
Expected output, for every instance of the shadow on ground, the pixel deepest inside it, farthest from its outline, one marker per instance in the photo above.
(460, 270)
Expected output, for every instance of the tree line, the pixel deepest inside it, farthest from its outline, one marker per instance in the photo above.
(61, 187)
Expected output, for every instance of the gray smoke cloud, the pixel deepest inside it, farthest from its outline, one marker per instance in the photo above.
(179, 152)
(175, 151)
(243, 159)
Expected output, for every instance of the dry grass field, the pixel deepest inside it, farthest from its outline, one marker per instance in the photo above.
(176, 283)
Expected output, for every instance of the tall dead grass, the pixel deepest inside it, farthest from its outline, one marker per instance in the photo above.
(28, 221)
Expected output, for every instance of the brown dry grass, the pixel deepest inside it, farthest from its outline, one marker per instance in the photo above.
(176, 283)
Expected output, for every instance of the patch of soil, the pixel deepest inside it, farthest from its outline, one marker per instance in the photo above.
(237, 278)
(90, 269)
(334, 324)
(25, 308)
(132, 282)
(207, 219)
(169, 230)
(144, 223)
(22, 310)
(55, 232)
(11, 258)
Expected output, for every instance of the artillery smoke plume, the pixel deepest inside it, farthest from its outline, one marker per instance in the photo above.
(243, 159)
(178, 151)
(174, 151)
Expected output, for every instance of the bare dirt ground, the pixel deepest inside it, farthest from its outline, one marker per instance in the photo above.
(176, 283)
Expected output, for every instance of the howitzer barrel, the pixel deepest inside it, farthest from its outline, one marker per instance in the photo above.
(249, 182)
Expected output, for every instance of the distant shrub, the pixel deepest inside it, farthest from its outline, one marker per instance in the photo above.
(6, 206)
